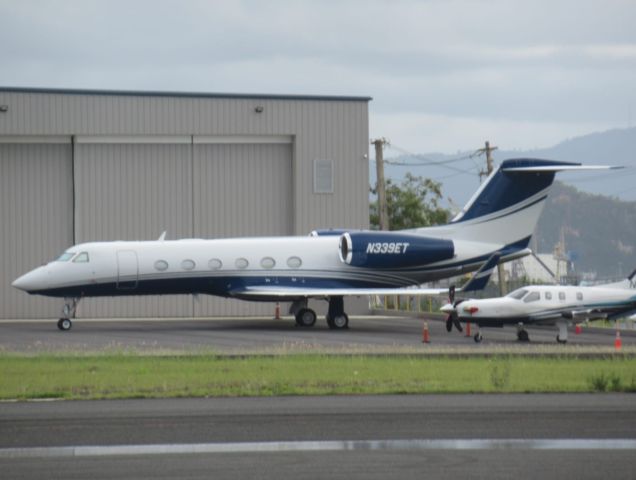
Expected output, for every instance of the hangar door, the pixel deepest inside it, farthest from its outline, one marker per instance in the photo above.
(241, 189)
(36, 216)
(133, 188)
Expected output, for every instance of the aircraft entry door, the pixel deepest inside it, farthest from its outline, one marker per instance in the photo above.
(127, 270)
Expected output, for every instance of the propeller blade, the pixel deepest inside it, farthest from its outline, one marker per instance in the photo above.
(457, 323)
(451, 294)
(449, 323)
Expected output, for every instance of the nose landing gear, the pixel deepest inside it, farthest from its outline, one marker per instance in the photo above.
(68, 312)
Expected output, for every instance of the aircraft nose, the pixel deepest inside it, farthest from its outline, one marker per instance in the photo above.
(448, 308)
(31, 281)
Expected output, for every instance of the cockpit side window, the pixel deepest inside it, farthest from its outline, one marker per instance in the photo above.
(533, 297)
(81, 258)
(65, 257)
(518, 294)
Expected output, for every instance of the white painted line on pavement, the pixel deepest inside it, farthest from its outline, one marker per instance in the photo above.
(332, 445)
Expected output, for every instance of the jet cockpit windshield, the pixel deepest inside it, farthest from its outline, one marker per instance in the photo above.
(81, 257)
(65, 257)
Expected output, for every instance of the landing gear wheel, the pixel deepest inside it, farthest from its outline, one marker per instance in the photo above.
(561, 341)
(329, 321)
(305, 317)
(339, 322)
(522, 336)
(478, 338)
(64, 324)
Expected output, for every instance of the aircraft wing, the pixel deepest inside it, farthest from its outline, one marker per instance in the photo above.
(477, 282)
(300, 292)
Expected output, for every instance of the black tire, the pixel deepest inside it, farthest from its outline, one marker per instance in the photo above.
(64, 324)
(523, 336)
(340, 322)
(478, 338)
(305, 317)
(329, 321)
(561, 341)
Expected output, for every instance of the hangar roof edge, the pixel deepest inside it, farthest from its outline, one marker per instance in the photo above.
(151, 93)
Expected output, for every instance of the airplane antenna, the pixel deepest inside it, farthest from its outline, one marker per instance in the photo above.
(162, 237)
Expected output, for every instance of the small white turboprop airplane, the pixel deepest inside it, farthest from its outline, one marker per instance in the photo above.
(545, 305)
(330, 264)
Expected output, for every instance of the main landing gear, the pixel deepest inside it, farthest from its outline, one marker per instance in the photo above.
(522, 333)
(68, 312)
(336, 318)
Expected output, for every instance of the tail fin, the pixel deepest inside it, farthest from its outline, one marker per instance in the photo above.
(506, 208)
(480, 278)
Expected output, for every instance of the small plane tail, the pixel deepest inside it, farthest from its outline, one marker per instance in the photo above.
(481, 277)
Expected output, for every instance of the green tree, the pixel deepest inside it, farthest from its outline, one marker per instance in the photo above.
(413, 203)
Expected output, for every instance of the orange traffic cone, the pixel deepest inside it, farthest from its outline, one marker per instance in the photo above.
(468, 328)
(577, 329)
(425, 335)
(618, 343)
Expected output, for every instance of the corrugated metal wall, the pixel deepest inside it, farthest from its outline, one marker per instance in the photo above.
(200, 166)
(36, 219)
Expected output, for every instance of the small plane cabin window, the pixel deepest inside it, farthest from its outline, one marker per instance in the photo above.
(532, 297)
(548, 295)
(518, 294)
(579, 296)
(65, 257)
(187, 264)
(241, 263)
(161, 265)
(215, 264)
(81, 258)
(562, 296)
(268, 262)
(294, 262)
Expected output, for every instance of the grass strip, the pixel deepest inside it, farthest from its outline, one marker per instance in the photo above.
(131, 376)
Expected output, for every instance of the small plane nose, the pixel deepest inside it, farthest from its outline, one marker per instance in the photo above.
(31, 281)
(448, 308)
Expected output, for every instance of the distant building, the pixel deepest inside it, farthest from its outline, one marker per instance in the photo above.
(80, 165)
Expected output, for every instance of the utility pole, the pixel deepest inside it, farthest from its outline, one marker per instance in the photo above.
(489, 168)
(488, 151)
(379, 166)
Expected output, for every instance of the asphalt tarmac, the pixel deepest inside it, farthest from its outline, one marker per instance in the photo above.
(266, 334)
(435, 436)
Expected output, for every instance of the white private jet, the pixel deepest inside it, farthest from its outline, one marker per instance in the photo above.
(545, 305)
(329, 264)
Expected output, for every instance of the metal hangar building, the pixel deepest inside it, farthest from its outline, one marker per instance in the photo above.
(86, 165)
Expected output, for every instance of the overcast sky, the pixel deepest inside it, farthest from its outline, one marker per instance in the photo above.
(445, 75)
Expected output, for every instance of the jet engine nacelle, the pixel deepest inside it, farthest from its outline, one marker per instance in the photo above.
(392, 250)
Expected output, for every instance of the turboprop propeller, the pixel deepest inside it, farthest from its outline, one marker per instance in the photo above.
(451, 309)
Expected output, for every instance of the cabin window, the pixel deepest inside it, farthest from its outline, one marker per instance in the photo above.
(532, 297)
(579, 295)
(187, 264)
(268, 262)
(65, 257)
(562, 296)
(81, 258)
(215, 264)
(241, 263)
(518, 294)
(294, 262)
(548, 295)
(161, 265)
